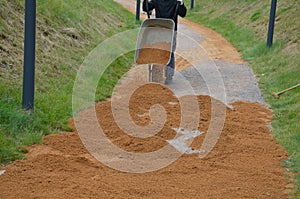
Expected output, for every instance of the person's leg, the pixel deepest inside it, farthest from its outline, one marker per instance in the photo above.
(171, 66)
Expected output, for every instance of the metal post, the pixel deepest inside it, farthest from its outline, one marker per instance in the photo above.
(138, 7)
(271, 23)
(29, 55)
(192, 4)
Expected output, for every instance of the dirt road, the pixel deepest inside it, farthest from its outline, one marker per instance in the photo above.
(244, 163)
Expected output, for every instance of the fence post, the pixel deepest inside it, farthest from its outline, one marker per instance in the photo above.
(29, 55)
(271, 23)
(192, 4)
(138, 7)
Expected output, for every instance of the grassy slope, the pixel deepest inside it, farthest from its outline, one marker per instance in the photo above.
(67, 31)
(244, 24)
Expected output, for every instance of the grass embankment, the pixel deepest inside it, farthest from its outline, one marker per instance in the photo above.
(66, 32)
(245, 25)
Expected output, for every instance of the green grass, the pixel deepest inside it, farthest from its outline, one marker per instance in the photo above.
(113, 74)
(244, 24)
(58, 57)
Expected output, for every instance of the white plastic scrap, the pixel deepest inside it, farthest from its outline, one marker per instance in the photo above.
(179, 143)
(2, 172)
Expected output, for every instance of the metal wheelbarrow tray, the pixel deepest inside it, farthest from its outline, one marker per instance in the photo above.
(155, 39)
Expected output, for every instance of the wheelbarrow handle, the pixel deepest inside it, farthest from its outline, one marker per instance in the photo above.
(176, 10)
(147, 9)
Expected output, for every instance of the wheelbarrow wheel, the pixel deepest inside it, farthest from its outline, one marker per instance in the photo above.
(156, 73)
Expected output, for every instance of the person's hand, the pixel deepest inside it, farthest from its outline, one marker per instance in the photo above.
(180, 2)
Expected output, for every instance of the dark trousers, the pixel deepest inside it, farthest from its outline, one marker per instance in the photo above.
(171, 65)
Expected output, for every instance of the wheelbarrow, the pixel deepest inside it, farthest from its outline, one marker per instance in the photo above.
(154, 47)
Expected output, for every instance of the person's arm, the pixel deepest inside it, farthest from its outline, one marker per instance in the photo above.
(150, 5)
(182, 10)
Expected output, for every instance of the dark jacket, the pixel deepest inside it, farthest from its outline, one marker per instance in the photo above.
(165, 9)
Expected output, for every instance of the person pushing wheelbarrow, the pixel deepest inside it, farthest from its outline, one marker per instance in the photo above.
(167, 9)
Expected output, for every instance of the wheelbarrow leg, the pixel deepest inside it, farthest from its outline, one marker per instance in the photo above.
(150, 72)
(156, 73)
